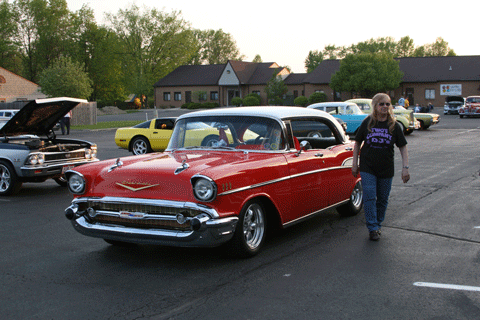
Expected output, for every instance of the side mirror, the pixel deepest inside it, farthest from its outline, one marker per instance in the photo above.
(304, 145)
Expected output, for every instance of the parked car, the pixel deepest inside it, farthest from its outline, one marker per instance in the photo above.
(229, 192)
(148, 136)
(405, 118)
(5, 115)
(348, 112)
(30, 151)
(471, 107)
(425, 119)
(453, 104)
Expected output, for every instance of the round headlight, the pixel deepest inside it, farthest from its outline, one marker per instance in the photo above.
(33, 159)
(204, 189)
(41, 158)
(76, 183)
(88, 153)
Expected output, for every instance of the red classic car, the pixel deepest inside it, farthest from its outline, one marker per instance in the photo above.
(267, 167)
(471, 108)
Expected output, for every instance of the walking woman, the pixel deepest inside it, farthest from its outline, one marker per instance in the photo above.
(379, 132)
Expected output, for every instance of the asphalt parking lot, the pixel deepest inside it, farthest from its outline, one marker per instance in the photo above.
(424, 267)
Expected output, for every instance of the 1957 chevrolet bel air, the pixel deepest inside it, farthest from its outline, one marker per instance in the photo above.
(267, 167)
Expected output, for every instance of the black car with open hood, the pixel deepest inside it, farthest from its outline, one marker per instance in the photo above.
(30, 151)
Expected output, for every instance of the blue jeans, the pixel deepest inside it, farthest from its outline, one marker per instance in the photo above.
(375, 199)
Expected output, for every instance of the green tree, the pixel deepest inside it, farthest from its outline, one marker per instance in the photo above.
(215, 47)
(257, 59)
(237, 101)
(9, 54)
(367, 74)
(405, 47)
(44, 27)
(65, 78)
(252, 99)
(313, 60)
(152, 44)
(275, 89)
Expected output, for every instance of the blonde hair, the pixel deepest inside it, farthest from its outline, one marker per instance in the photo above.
(381, 97)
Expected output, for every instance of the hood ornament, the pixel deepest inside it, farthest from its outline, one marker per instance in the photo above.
(183, 167)
(117, 164)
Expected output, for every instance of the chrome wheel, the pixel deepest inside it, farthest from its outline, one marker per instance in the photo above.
(250, 231)
(5, 178)
(357, 196)
(9, 183)
(355, 202)
(253, 226)
(140, 146)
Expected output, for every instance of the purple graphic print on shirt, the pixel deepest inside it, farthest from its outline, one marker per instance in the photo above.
(379, 138)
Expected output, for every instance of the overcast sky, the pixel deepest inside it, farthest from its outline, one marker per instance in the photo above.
(284, 32)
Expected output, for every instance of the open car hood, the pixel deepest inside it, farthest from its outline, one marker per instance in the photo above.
(454, 99)
(39, 116)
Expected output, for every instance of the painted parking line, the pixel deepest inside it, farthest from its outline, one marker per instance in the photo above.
(5, 200)
(446, 286)
(478, 227)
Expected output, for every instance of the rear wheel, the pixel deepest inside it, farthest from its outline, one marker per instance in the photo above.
(9, 182)
(355, 203)
(140, 145)
(210, 140)
(249, 234)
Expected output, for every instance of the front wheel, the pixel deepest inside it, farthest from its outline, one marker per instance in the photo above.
(355, 203)
(249, 234)
(9, 182)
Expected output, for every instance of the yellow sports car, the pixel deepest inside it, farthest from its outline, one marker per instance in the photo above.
(148, 136)
(154, 135)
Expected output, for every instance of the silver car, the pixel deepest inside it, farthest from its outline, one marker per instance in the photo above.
(30, 150)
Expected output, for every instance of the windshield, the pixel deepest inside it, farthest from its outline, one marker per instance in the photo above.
(228, 132)
(473, 99)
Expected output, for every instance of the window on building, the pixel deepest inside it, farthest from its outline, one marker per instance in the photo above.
(295, 93)
(256, 92)
(166, 96)
(214, 95)
(177, 96)
(202, 96)
(430, 94)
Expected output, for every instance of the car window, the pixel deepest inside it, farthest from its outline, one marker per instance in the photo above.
(143, 125)
(318, 133)
(164, 124)
(248, 133)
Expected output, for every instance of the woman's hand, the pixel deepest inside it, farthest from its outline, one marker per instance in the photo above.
(355, 170)
(405, 175)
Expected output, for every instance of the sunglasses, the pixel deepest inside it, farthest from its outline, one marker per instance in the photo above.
(381, 104)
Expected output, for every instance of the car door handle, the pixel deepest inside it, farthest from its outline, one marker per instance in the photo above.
(349, 148)
(319, 155)
(155, 132)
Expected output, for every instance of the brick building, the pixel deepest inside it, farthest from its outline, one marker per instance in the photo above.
(425, 80)
(15, 88)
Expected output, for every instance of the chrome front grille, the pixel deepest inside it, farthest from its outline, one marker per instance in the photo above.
(140, 213)
(143, 208)
(59, 156)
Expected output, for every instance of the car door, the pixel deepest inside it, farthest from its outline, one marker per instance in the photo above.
(160, 133)
(309, 170)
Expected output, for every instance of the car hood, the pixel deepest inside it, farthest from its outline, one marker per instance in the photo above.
(168, 175)
(454, 99)
(39, 116)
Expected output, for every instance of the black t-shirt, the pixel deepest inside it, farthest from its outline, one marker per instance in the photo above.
(377, 153)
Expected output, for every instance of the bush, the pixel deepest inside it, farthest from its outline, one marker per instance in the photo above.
(197, 105)
(317, 97)
(237, 101)
(251, 100)
(301, 101)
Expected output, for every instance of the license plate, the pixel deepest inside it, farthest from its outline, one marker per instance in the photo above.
(66, 168)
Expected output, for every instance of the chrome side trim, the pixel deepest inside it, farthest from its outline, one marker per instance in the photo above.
(152, 202)
(308, 216)
(282, 179)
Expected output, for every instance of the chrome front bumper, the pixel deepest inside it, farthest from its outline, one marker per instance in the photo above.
(205, 229)
(49, 169)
